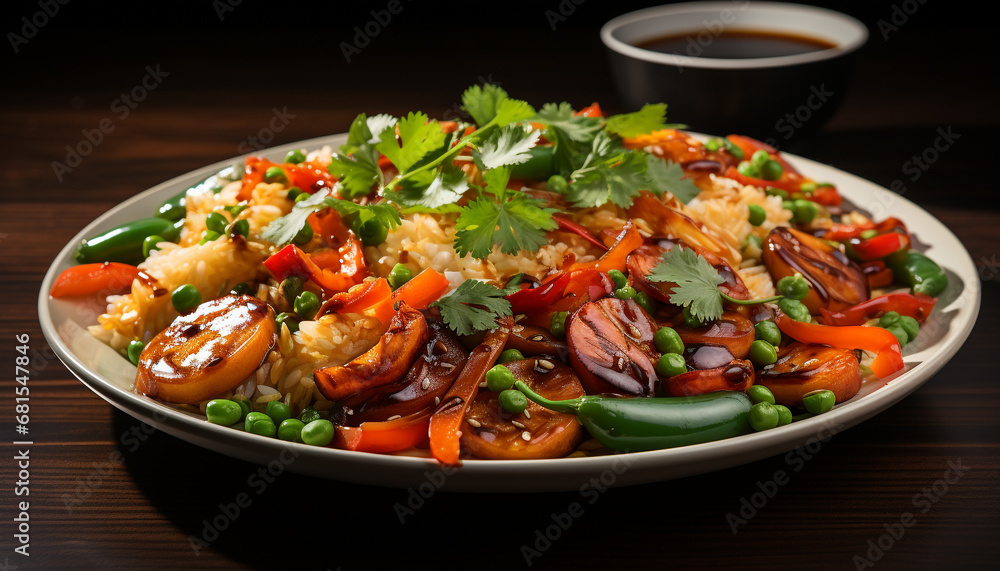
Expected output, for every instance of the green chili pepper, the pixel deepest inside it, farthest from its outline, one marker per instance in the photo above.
(175, 207)
(539, 167)
(636, 424)
(124, 243)
(919, 272)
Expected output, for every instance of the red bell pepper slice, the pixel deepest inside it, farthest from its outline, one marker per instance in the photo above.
(447, 419)
(88, 279)
(827, 196)
(615, 258)
(785, 185)
(877, 274)
(592, 110)
(423, 289)
(387, 436)
(888, 355)
(309, 177)
(290, 260)
(532, 299)
(879, 246)
(574, 228)
(840, 232)
(915, 305)
(358, 298)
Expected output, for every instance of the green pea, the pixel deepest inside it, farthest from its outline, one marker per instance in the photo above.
(627, 292)
(309, 414)
(794, 308)
(209, 236)
(889, 319)
(691, 321)
(510, 355)
(759, 158)
(306, 305)
(242, 288)
(788, 205)
(318, 432)
(794, 287)
(290, 430)
(558, 324)
(149, 243)
(273, 174)
(771, 170)
(557, 183)
(733, 149)
(513, 401)
(244, 405)
(910, 325)
(223, 411)
(768, 331)
(784, 414)
(289, 320)
(304, 235)
(185, 298)
(645, 301)
(667, 340)
(762, 353)
(135, 348)
(746, 168)
(302, 197)
(399, 275)
(671, 364)
(807, 187)
(291, 287)
(900, 334)
(757, 214)
(295, 156)
(771, 191)
(805, 211)
(754, 241)
(278, 411)
(870, 233)
(499, 378)
(294, 192)
(239, 228)
(760, 393)
(713, 145)
(216, 223)
(818, 402)
(372, 232)
(763, 416)
(618, 278)
(259, 423)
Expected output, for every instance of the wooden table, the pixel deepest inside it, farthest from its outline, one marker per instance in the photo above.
(106, 493)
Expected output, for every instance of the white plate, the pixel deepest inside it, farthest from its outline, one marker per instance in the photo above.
(111, 376)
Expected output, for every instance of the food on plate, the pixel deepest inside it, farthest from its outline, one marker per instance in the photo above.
(529, 283)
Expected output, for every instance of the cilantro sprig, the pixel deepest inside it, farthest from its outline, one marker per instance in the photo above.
(473, 306)
(696, 284)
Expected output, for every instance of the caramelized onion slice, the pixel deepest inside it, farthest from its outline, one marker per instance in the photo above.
(208, 351)
(836, 282)
(611, 347)
(381, 365)
(801, 369)
(490, 432)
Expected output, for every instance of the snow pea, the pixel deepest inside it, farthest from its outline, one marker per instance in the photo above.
(124, 243)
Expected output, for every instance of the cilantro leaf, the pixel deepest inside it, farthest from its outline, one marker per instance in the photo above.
(513, 110)
(355, 214)
(507, 146)
(646, 120)
(473, 306)
(572, 136)
(667, 176)
(514, 221)
(431, 191)
(357, 174)
(418, 136)
(697, 282)
(513, 284)
(480, 102)
(282, 230)
(609, 174)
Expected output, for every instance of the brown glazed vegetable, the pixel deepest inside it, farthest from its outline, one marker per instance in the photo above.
(738, 375)
(802, 369)
(836, 282)
(611, 347)
(490, 432)
(208, 351)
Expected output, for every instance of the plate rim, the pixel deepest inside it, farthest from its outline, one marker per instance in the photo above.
(510, 475)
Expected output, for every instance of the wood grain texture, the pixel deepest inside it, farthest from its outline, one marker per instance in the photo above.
(107, 494)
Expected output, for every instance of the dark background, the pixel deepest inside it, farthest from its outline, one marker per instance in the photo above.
(226, 78)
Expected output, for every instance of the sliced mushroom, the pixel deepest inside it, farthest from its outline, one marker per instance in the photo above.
(381, 365)
(836, 282)
(208, 351)
(801, 369)
(611, 347)
(491, 432)
(429, 378)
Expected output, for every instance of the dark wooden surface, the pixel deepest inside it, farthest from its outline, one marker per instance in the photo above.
(89, 510)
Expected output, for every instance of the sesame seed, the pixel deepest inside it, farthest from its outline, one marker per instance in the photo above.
(518, 424)
(527, 414)
(519, 317)
(483, 385)
(437, 401)
(526, 436)
(425, 384)
(538, 337)
(395, 417)
(473, 423)
(546, 364)
(448, 366)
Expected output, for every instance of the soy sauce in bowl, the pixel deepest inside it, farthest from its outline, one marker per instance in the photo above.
(736, 44)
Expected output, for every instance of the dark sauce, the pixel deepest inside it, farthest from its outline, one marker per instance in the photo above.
(735, 44)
